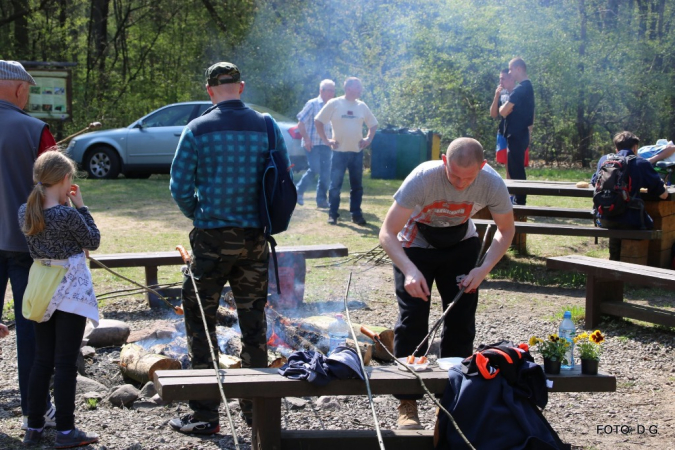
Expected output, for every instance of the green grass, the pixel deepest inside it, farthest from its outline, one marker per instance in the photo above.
(8, 310)
(140, 216)
(578, 313)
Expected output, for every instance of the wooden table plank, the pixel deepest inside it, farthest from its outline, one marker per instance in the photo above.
(574, 230)
(356, 439)
(201, 384)
(638, 312)
(615, 270)
(561, 189)
(553, 188)
(172, 258)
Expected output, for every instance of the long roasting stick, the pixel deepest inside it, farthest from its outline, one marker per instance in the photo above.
(177, 309)
(481, 258)
(186, 259)
(376, 338)
(363, 367)
(91, 126)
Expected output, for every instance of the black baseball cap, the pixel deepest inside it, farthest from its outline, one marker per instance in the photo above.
(219, 69)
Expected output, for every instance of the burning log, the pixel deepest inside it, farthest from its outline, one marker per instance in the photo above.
(286, 334)
(228, 362)
(140, 365)
(320, 325)
(226, 316)
(387, 338)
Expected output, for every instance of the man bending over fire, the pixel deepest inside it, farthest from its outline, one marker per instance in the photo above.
(429, 235)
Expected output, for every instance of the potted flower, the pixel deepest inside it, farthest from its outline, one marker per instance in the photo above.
(589, 351)
(553, 350)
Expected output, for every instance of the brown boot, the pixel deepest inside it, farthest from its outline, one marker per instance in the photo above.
(407, 416)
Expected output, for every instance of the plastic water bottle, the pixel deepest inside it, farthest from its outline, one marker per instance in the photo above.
(338, 331)
(566, 330)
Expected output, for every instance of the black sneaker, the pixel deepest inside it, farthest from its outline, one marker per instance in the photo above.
(189, 425)
(76, 438)
(32, 437)
(332, 220)
(359, 220)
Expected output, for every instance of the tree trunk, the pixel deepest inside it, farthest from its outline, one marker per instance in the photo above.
(22, 43)
(584, 129)
(98, 37)
(140, 365)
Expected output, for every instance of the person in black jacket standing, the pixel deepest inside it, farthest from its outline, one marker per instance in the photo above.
(518, 113)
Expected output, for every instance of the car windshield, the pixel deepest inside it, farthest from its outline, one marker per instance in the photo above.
(169, 117)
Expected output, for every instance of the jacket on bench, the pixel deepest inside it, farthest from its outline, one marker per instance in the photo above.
(495, 414)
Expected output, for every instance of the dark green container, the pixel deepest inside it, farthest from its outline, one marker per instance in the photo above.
(411, 150)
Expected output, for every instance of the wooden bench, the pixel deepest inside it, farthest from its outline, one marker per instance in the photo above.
(520, 211)
(152, 260)
(604, 287)
(266, 388)
(634, 243)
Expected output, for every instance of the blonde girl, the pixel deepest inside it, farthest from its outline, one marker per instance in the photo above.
(58, 229)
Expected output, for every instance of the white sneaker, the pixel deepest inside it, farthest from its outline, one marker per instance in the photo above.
(50, 418)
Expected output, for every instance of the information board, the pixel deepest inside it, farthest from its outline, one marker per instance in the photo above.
(51, 97)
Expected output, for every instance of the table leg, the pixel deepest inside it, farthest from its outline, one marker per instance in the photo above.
(150, 280)
(598, 291)
(266, 432)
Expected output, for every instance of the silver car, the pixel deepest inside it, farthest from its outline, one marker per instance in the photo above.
(148, 145)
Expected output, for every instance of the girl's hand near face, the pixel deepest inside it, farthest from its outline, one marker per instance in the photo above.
(75, 196)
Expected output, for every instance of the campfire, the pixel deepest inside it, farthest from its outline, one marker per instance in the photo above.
(166, 349)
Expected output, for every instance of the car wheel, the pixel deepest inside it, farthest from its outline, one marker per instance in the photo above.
(102, 162)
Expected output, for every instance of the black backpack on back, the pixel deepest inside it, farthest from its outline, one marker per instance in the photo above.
(612, 187)
(278, 195)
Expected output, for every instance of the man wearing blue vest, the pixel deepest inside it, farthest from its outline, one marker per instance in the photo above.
(19, 149)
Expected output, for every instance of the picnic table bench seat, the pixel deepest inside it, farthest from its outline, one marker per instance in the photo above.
(152, 260)
(574, 230)
(522, 211)
(605, 287)
(266, 388)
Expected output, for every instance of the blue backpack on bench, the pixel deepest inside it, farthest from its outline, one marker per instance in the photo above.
(278, 195)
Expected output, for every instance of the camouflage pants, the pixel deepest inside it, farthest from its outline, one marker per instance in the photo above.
(238, 256)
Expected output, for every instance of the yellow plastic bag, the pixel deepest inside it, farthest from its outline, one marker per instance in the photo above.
(42, 283)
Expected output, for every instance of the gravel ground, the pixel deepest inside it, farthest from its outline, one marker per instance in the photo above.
(641, 414)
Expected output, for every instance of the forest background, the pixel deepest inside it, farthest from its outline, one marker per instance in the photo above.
(597, 66)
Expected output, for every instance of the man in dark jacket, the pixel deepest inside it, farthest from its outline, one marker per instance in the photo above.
(642, 175)
(19, 149)
(216, 178)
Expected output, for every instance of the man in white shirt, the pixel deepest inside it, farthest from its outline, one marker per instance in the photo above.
(347, 115)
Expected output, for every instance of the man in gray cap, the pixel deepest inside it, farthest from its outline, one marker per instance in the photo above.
(18, 151)
(216, 179)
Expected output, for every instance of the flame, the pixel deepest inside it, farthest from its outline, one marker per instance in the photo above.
(276, 342)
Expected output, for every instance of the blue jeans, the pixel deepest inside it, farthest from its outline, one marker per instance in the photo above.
(15, 266)
(319, 164)
(340, 163)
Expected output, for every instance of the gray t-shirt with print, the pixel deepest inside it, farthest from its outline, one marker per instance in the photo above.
(436, 202)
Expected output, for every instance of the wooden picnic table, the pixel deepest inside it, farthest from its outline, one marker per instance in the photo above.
(658, 251)
(266, 388)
